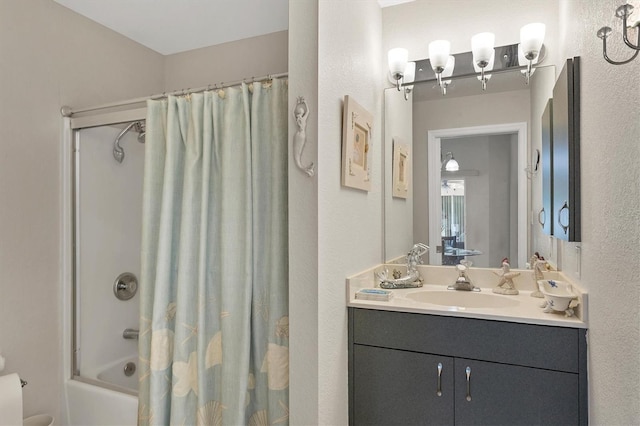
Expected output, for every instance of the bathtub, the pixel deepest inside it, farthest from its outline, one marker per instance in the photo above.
(103, 397)
(114, 375)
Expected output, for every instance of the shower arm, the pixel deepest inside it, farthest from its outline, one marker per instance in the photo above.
(118, 152)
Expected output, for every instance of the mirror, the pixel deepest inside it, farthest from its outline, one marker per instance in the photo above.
(494, 135)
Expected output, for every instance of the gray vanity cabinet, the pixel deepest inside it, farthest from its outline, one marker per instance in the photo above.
(384, 377)
(503, 394)
(492, 372)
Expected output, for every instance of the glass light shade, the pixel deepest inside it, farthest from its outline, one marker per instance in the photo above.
(448, 69)
(409, 74)
(452, 165)
(531, 38)
(489, 67)
(482, 47)
(439, 54)
(398, 58)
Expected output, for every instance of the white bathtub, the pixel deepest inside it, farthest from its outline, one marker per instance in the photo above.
(105, 397)
(114, 374)
(89, 405)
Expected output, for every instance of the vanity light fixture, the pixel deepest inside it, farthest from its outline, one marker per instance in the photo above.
(398, 58)
(482, 48)
(623, 12)
(531, 38)
(484, 54)
(449, 163)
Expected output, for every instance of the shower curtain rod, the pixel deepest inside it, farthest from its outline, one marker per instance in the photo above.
(66, 111)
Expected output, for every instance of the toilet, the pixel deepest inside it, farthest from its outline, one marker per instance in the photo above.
(11, 403)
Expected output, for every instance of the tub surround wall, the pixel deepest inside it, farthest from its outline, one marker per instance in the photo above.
(109, 238)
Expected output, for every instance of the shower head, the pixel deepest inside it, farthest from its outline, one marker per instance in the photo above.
(139, 127)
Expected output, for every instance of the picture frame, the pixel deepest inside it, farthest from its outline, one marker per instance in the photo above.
(401, 169)
(356, 145)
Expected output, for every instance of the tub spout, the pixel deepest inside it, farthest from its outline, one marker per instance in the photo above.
(130, 333)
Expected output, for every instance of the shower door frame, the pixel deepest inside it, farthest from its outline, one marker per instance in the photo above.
(70, 138)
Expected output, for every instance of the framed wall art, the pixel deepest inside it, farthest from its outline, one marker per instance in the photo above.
(356, 145)
(401, 169)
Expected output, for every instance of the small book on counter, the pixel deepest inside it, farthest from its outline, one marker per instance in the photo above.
(377, 294)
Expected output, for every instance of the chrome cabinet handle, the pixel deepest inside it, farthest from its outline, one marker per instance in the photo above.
(542, 214)
(439, 389)
(468, 372)
(564, 227)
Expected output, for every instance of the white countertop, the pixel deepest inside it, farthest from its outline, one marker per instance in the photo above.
(526, 310)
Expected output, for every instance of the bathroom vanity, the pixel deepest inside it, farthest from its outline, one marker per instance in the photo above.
(413, 363)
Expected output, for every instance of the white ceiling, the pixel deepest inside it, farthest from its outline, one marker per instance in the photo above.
(172, 26)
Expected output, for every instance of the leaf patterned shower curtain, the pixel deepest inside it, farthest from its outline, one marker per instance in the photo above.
(214, 323)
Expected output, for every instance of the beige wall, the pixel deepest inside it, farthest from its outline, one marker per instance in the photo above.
(49, 57)
(233, 61)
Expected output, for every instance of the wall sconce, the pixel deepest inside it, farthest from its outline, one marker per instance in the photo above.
(449, 163)
(482, 48)
(531, 38)
(398, 59)
(623, 13)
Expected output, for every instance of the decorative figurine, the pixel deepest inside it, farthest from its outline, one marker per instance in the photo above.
(539, 265)
(506, 286)
(301, 112)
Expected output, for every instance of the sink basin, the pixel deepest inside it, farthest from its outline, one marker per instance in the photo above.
(463, 299)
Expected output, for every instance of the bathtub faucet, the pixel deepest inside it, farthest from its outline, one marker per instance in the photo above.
(130, 333)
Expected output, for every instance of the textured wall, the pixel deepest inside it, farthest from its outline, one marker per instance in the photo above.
(349, 220)
(610, 180)
(303, 220)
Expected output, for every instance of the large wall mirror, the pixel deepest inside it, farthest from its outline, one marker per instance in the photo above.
(482, 211)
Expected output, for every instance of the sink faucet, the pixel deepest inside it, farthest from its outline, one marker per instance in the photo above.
(463, 282)
(413, 278)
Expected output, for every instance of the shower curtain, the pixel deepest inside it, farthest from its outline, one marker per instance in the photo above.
(214, 323)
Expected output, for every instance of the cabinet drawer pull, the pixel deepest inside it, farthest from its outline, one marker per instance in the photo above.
(562, 225)
(468, 371)
(439, 389)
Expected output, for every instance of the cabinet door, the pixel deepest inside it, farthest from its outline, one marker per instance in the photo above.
(545, 216)
(393, 387)
(566, 152)
(502, 394)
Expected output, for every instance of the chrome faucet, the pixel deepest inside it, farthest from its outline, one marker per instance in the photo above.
(463, 282)
(130, 333)
(413, 278)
